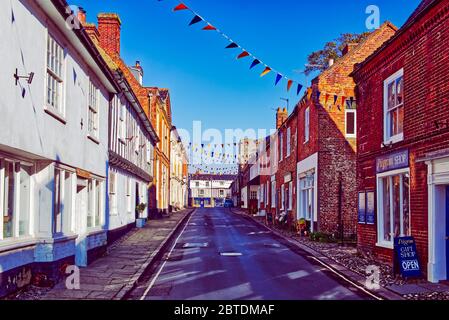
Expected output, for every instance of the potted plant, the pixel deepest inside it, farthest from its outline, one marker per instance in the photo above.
(140, 221)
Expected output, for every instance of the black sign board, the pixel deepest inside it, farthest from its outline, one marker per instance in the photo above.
(407, 255)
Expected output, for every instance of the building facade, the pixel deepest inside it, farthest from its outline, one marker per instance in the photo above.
(403, 155)
(327, 121)
(209, 191)
(53, 144)
(132, 138)
(178, 172)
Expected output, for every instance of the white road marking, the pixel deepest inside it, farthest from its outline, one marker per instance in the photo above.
(231, 254)
(346, 279)
(153, 281)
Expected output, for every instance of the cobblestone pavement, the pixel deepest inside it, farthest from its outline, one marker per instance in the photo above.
(352, 259)
(112, 276)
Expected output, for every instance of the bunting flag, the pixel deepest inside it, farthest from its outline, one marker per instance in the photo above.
(278, 78)
(335, 99)
(180, 7)
(298, 90)
(318, 95)
(309, 93)
(195, 20)
(255, 63)
(326, 98)
(265, 72)
(233, 45)
(209, 27)
(343, 101)
(243, 55)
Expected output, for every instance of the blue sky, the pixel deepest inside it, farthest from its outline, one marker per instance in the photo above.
(207, 83)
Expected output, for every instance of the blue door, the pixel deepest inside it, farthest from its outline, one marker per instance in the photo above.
(447, 232)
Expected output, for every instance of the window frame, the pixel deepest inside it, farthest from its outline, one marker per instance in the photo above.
(93, 110)
(388, 138)
(307, 125)
(288, 142)
(381, 242)
(59, 110)
(351, 135)
(281, 146)
(290, 195)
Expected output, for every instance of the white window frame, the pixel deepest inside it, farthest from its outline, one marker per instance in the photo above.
(281, 146)
(388, 139)
(112, 191)
(288, 142)
(93, 117)
(128, 194)
(307, 125)
(282, 196)
(55, 74)
(66, 201)
(381, 242)
(273, 194)
(122, 122)
(290, 195)
(350, 135)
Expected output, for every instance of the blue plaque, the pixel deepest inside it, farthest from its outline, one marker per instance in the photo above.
(407, 257)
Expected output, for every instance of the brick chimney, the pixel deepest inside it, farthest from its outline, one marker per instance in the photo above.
(92, 31)
(349, 47)
(109, 26)
(81, 15)
(137, 71)
(281, 116)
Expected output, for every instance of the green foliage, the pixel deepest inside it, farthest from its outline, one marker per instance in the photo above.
(319, 60)
(322, 237)
(141, 207)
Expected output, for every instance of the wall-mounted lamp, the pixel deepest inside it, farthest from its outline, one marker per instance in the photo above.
(29, 77)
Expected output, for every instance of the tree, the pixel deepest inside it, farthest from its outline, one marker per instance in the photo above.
(319, 60)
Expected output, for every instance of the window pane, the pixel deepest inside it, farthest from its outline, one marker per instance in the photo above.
(406, 205)
(90, 205)
(98, 203)
(396, 205)
(8, 200)
(401, 119)
(386, 209)
(57, 223)
(350, 123)
(24, 217)
(399, 91)
(391, 95)
(393, 123)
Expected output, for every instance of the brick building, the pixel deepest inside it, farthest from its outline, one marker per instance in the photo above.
(326, 152)
(286, 148)
(403, 146)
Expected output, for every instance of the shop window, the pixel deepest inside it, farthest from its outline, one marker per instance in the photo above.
(394, 108)
(394, 212)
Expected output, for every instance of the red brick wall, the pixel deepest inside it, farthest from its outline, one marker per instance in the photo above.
(109, 29)
(423, 51)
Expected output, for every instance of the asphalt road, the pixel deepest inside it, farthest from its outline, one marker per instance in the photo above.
(223, 256)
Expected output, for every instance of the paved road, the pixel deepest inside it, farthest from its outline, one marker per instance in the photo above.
(258, 265)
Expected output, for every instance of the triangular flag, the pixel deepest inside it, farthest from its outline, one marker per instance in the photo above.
(209, 27)
(255, 63)
(298, 90)
(289, 85)
(181, 6)
(195, 19)
(243, 55)
(326, 98)
(233, 45)
(343, 101)
(309, 93)
(318, 95)
(265, 72)
(335, 99)
(278, 78)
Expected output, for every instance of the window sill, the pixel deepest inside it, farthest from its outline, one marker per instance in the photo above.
(393, 140)
(93, 139)
(351, 136)
(386, 245)
(11, 244)
(55, 114)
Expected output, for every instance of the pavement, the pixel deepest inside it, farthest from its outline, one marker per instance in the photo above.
(221, 255)
(113, 276)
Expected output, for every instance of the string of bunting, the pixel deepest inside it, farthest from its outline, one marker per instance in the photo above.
(208, 26)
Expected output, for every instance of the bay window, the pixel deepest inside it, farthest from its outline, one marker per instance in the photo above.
(15, 198)
(394, 108)
(393, 203)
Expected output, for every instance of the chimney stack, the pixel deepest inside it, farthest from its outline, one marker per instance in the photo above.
(349, 47)
(137, 71)
(281, 117)
(81, 15)
(109, 27)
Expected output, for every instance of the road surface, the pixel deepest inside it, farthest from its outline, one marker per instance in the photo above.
(224, 256)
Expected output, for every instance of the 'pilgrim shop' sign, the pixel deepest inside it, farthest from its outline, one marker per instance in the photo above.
(408, 257)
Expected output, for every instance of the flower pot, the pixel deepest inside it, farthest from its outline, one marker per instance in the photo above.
(141, 222)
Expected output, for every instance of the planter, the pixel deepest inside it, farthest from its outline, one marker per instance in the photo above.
(141, 222)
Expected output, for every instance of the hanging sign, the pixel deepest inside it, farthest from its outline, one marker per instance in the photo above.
(407, 255)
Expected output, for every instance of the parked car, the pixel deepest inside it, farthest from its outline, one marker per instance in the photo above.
(228, 203)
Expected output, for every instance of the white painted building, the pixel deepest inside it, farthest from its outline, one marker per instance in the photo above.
(178, 172)
(208, 190)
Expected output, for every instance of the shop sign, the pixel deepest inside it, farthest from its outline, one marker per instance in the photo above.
(393, 161)
(407, 255)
